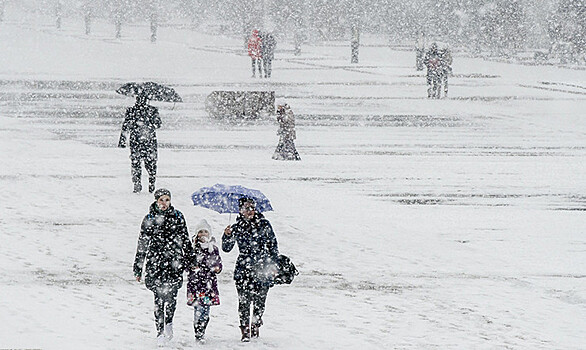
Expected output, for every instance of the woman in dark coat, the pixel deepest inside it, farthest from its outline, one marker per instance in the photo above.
(256, 264)
(286, 147)
(165, 247)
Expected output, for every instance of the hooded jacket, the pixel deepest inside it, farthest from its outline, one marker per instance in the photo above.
(163, 247)
(202, 283)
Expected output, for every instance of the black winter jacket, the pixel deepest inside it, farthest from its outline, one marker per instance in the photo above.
(141, 121)
(257, 246)
(164, 244)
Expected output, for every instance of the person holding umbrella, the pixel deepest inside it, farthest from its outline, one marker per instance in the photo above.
(141, 121)
(255, 266)
(165, 251)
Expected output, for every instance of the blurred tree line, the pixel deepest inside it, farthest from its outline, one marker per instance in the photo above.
(498, 26)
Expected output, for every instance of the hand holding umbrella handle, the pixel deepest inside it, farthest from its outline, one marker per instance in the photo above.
(228, 230)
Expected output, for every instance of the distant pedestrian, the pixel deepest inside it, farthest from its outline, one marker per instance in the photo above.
(141, 121)
(254, 51)
(255, 266)
(268, 45)
(446, 68)
(202, 283)
(286, 147)
(165, 251)
(434, 71)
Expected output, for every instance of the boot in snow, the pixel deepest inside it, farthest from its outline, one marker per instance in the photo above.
(169, 331)
(200, 329)
(245, 334)
(161, 340)
(254, 330)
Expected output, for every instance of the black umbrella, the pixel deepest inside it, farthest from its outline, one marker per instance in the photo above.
(151, 91)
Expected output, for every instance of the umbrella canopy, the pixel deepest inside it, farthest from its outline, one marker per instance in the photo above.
(224, 198)
(151, 91)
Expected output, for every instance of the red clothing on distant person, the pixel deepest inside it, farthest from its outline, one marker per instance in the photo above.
(254, 45)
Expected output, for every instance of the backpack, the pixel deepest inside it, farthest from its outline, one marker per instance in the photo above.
(287, 270)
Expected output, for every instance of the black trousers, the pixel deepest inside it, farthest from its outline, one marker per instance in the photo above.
(165, 305)
(253, 293)
(255, 62)
(268, 66)
(149, 157)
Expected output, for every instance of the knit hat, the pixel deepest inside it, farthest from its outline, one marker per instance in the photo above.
(202, 225)
(162, 192)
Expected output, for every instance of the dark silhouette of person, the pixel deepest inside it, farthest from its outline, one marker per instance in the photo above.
(255, 266)
(286, 147)
(141, 121)
(267, 49)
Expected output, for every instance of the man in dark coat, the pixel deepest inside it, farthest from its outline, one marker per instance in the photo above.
(433, 63)
(267, 49)
(165, 247)
(141, 121)
(256, 264)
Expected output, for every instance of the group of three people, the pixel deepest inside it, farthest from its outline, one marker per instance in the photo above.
(165, 251)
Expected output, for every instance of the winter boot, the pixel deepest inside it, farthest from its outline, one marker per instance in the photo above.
(161, 340)
(254, 330)
(169, 331)
(137, 188)
(256, 323)
(200, 329)
(245, 334)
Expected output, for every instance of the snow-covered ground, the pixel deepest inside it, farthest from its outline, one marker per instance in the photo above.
(416, 224)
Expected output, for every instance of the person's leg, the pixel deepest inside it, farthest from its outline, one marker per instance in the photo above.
(136, 170)
(159, 313)
(253, 67)
(170, 304)
(259, 300)
(150, 163)
(244, 301)
(201, 317)
(446, 84)
(429, 85)
(434, 86)
(244, 287)
(268, 68)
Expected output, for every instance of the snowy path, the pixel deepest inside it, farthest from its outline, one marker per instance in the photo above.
(416, 224)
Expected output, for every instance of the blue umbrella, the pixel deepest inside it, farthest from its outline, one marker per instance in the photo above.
(224, 198)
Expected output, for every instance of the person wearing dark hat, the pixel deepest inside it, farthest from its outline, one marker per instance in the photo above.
(255, 266)
(164, 249)
(141, 122)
